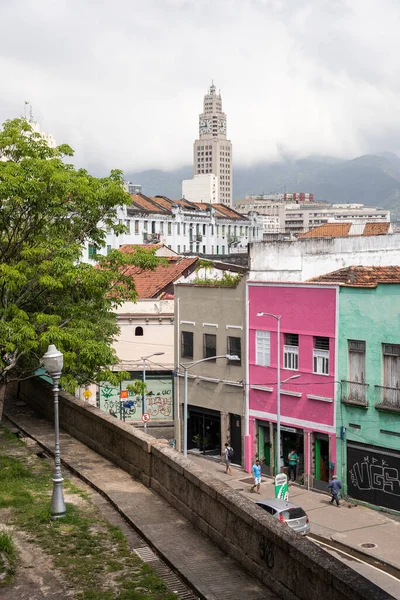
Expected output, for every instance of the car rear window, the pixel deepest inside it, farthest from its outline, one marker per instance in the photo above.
(293, 513)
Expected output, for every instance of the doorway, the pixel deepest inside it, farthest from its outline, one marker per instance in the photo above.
(264, 449)
(293, 439)
(321, 461)
(236, 437)
(204, 431)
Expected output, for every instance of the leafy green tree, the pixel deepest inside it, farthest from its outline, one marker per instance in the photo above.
(48, 211)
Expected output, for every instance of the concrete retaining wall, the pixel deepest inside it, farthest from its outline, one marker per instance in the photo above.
(291, 566)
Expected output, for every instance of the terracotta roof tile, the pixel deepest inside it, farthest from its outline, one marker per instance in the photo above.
(361, 276)
(140, 201)
(376, 228)
(328, 230)
(152, 284)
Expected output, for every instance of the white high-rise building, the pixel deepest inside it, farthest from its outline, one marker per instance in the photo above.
(213, 151)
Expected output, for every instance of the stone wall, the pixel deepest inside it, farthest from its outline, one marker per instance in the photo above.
(291, 566)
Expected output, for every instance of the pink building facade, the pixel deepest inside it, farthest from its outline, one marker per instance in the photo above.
(308, 352)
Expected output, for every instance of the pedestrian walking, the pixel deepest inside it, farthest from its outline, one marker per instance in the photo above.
(228, 455)
(256, 470)
(334, 487)
(293, 459)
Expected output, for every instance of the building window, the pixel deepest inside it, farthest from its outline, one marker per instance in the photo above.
(108, 249)
(187, 344)
(204, 230)
(179, 249)
(391, 365)
(204, 249)
(139, 331)
(223, 230)
(291, 351)
(178, 228)
(161, 226)
(145, 225)
(235, 349)
(169, 228)
(128, 225)
(153, 227)
(184, 229)
(210, 345)
(356, 387)
(321, 355)
(136, 226)
(92, 251)
(263, 348)
(223, 249)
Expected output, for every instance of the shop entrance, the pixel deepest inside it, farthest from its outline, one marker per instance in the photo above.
(235, 422)
(321, 461)
(204, 430)
(293, 439)
(264, 449)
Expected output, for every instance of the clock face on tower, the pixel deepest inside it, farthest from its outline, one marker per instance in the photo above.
(205, 126)
(221, 126)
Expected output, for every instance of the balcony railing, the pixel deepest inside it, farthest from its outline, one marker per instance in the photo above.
(354, 393)
(387, 398)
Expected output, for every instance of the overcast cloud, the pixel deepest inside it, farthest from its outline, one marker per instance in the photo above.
(123, 81)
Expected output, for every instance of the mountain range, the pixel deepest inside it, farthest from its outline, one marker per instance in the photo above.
(371, 179)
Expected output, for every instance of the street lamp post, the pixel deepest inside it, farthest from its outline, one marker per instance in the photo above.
(144, 358)
(278, 385)
(53, 362)
(185, 391)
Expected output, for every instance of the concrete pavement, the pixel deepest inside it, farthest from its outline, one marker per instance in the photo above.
(350, 525)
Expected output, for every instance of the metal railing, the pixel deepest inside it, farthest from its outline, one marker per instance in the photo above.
(387, 397)
(354, 392)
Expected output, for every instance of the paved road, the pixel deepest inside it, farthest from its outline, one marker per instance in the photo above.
(385, 581)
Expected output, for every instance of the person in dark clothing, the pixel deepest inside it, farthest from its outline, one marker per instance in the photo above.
(334, 487)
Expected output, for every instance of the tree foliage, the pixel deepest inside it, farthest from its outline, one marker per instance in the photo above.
(48, 211)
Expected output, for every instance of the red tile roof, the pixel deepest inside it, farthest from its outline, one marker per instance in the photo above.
(361, 276)
(328, 230)
(376, 228)
(164, 205)
(153, 284)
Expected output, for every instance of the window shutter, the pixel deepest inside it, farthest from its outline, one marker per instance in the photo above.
(263, 348)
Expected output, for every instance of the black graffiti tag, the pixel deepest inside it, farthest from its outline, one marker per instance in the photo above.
(367, 476)
(266, 551)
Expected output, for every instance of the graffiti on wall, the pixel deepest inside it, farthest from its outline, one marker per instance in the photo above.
(374, 476)
(159, 400)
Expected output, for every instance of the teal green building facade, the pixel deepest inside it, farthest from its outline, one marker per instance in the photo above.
(368, 393)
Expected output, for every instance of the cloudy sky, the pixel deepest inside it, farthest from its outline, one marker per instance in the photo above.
(122, 81)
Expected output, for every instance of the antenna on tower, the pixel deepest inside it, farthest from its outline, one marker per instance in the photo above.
(212, 88)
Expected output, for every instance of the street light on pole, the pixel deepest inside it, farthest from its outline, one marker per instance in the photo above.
(185, 390)
(144, 358)
(278, 385)
(53, 362)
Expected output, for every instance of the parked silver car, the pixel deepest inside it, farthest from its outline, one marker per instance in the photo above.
(288, 513)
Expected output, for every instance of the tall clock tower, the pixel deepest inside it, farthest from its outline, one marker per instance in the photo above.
(212, 151)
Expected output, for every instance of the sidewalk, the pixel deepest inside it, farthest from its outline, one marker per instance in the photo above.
(174, 538)
(349, 525)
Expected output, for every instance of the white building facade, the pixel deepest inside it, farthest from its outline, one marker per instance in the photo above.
(303, 259)
(202, 188)
(183, 226)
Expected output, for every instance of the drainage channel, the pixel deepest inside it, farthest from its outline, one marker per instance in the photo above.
(136, 543)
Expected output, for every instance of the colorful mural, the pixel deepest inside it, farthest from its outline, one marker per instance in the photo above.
(159, 400)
